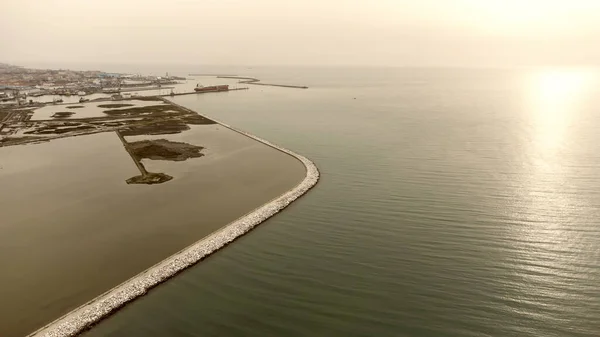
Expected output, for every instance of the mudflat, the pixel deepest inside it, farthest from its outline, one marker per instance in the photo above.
(73, 227)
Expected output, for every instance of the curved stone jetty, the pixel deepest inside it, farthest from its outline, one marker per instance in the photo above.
(95, 310)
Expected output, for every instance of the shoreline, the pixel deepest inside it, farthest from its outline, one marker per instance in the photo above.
(92, 312)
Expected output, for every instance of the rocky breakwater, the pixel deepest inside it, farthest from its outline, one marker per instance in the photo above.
(256, 81)
(95, 310)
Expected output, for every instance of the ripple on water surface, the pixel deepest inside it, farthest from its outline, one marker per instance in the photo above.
(452, 203)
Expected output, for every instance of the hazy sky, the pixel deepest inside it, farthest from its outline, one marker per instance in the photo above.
(303, 32)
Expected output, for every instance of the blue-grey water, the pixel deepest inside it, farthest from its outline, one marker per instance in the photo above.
(453, 202)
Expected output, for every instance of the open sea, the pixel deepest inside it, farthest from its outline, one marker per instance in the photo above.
(453, 202)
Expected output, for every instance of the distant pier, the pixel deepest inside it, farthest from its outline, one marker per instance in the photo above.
(216, 75)
(252, 80)
(116, 90)
(200, 92)
(255, 81)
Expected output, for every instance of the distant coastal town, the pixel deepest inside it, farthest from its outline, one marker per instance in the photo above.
(19, 85)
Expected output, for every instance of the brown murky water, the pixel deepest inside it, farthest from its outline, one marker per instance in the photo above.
(72, 227)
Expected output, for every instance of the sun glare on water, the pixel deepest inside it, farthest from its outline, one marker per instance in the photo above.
(555, 96)
(542, 204)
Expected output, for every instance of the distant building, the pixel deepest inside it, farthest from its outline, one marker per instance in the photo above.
(112, 75)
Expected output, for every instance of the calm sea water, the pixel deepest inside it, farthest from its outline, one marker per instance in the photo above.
(453, 202)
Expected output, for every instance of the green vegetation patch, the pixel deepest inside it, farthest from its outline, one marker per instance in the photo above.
(114, 105)
(62, 114)
(60, 128)
(148, 98)
(162, 149)
(145, 110)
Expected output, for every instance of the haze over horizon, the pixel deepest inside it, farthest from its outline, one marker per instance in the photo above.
(309, 32)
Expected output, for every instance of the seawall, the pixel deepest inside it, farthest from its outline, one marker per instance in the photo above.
(102, 306)
(256, 81)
